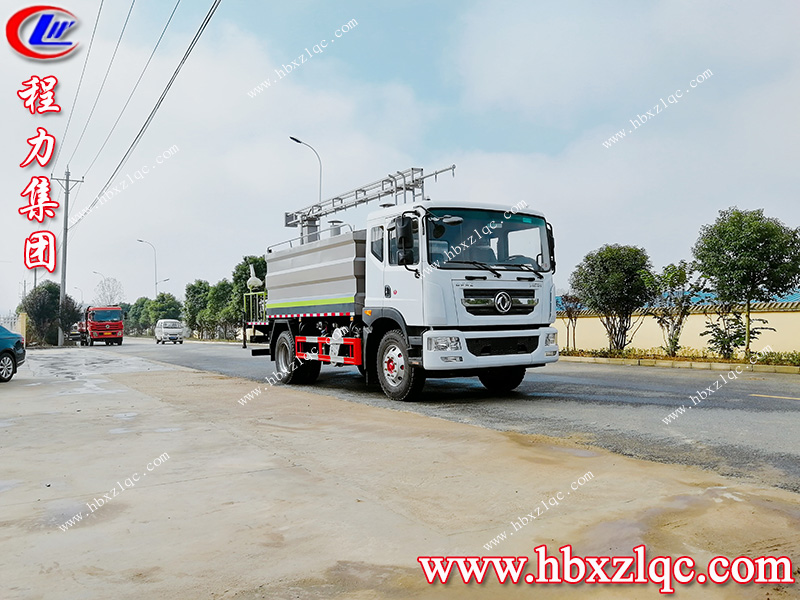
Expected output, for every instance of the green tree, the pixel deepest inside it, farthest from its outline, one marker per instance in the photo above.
(44, 314)
(138, 318)
(748, 258)
(674, 292)
(612, 281)
(196, 300)
(165, 306)
(727, 333)
(241, 273)
(219, 297)
(208, 322)
(69, 314)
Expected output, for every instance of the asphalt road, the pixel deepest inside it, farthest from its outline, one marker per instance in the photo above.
(749, 427)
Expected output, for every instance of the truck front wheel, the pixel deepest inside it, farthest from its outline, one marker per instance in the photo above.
(502, 379)
(399, 380)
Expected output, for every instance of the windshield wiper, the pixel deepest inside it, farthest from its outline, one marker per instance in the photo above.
(522, 266)
(478, 264)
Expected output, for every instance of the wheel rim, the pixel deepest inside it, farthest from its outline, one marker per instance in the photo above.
(6, 367)
(394, 365)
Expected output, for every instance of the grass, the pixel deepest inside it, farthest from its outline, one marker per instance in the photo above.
(688, 354)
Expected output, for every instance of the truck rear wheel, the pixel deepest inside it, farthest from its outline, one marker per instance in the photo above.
(502, 379)
(290, 369)
(399, 380)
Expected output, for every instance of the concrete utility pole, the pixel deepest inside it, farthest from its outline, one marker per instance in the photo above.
(65, 184)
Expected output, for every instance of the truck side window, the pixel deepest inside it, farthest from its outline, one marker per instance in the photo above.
(376, 242)
(393, 244)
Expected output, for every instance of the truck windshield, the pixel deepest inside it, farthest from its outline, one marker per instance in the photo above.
(103, 316)
(495, 238)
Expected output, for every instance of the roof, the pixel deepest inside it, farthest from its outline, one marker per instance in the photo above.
(789, 302)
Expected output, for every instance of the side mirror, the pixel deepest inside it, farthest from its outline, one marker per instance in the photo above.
(405, 257)
(552, 243)
(405, 233)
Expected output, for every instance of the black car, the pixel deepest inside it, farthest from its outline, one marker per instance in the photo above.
(12, 353)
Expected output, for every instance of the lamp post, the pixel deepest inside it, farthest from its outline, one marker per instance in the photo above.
(311, 225)
(81, 291)
(101, 275)
(155, 264)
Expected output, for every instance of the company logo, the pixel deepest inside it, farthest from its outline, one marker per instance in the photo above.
(502, 302)
(39, 32)
(108, 326)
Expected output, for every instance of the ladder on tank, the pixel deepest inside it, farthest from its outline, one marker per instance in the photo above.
(400, 185)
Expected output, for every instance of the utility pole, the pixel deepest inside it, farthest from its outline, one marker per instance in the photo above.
(65, 184)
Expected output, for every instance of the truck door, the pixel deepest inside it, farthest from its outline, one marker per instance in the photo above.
(402, 289)
(376, 259)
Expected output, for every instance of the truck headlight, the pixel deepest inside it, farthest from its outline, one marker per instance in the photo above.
(444, 344)
(551, 339)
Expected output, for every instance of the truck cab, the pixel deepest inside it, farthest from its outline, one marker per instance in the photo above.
(102, 324)
(471, 287)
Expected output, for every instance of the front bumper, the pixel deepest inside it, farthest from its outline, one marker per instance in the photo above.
(104, 335)
(483, 349)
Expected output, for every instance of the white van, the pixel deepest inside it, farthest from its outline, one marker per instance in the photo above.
(169, 330)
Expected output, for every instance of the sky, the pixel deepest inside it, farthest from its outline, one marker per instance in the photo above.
(519, 95)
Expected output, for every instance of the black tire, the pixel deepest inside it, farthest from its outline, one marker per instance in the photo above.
(285, 364)
(119, 342)
(91, 342)
(174, 342)
(399, 380)
(502, 379)
(180, 342)
(7, 367)
(156, 339)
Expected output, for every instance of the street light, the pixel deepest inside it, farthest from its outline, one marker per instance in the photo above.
(294, 139)
(81, 291)
(155, 263)
(101, 275)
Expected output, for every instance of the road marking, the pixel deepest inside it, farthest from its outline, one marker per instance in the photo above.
(779, 397)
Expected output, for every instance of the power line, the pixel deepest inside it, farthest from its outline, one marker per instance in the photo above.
(80, 81)
(147, 64)
(149, 119)
(103, 84)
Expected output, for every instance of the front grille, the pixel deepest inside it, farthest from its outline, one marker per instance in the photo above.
(496, 346)
(480, 301)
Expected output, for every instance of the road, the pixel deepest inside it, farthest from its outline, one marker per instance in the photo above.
(748, 428)
(129, 476)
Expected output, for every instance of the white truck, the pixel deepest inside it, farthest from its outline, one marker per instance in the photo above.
(428, 289)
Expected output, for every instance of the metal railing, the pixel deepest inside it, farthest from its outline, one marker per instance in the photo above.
(255, 306)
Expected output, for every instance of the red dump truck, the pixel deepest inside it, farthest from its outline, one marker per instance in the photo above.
(102, 324)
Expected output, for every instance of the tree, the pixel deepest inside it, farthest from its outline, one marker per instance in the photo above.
(570, 307)
(165, 306)
(241, 273)
(138, 316)
(69, 314)
(674, 292)
(41, 305)
(45, 314)
(219, 298)
(612, 281)
(728, 332)
(108, 292)
(748, 258)
(196, 300)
